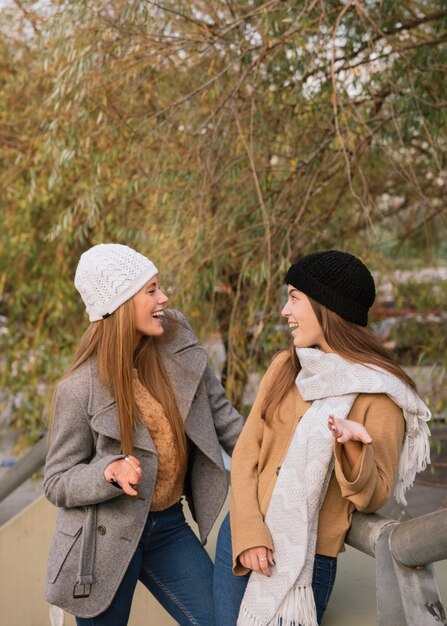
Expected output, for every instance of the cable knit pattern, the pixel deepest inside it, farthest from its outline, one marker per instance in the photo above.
(110, 274)
(170, 476)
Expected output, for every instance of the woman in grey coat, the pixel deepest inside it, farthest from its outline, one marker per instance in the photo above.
(138, 421)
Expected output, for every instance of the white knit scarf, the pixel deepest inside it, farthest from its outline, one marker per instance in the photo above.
(332, 384)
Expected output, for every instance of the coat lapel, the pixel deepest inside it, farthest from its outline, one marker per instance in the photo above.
(105, 422)
(104, 412)
(293, 405)
(184, 360)
(184, 366)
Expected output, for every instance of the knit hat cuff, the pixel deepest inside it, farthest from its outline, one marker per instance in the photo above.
(105, 309)
(352, 311)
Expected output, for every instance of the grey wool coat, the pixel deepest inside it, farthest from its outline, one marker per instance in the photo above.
(98, 526)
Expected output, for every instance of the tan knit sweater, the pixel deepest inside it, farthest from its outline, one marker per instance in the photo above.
(261, 449)
(170, 476)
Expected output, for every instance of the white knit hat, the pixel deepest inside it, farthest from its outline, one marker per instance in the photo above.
(108, 275)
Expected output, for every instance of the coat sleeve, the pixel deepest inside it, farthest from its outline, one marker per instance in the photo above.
(368, 485)
(72, 476)
(248, 529)
(227, 421)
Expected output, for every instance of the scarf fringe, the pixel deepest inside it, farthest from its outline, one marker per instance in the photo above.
(324, 375)
(331, 384)
(246, 618)
(414, 457)
(297, 609)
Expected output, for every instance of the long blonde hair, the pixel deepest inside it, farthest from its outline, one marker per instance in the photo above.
(351, 341)
(112, 341)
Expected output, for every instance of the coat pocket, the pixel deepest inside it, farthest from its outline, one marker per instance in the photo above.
(67, 534)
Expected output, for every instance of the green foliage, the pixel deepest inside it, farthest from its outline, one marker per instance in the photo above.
(221, 140)
(422, 337)
(419, 341)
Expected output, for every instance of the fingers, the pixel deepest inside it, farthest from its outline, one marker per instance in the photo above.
(135, 476)
(258, 559)
(133, 462)
(346, 430)
(126, 472)
(129, 488)
(333, 425)
(343, 438)
(263, 565)
(365, 437)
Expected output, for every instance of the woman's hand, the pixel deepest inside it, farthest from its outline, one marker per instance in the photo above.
(126, 472)
(345, 430)
(257, 559)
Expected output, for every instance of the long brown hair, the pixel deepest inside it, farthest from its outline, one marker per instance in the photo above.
(353, 342)
(112, 341)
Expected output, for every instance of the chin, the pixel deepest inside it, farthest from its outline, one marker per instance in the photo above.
(153, 332)
(301, 344)
(157, 332)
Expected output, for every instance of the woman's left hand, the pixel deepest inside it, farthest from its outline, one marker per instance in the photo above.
(345, 430)
(126, 472)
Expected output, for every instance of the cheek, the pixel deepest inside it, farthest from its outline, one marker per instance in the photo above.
(142, 315)
(317, 332)
(296, 311)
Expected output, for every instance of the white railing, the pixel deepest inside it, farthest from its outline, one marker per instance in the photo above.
(407, 590)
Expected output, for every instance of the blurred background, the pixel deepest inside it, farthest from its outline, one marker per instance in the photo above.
(222, 139)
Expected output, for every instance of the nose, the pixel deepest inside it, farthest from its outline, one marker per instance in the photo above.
(162, 297)
(285, 312)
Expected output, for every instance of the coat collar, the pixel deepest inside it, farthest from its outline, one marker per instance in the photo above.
(293, 404)
(183, 357)
(185, 361)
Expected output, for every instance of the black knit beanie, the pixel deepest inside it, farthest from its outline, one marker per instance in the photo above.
(338, 280)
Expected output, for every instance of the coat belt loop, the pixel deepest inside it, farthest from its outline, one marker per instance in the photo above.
(84, 578)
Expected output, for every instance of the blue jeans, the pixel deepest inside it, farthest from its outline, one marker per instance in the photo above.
(176, 569)
(229, 589)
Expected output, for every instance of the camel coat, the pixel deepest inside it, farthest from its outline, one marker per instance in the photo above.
(98, 526)
(261, 449)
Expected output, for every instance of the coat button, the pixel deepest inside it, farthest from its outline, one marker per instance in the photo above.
(102, 530)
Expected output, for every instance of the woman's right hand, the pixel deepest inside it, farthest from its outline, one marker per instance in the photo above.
(345, 430)
(257, 559)
(126, 472)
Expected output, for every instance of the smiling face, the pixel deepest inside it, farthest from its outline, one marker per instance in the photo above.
(149, 305)
(303, 323)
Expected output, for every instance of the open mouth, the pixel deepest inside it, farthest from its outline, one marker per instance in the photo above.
(158, 314)
(293, 325)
